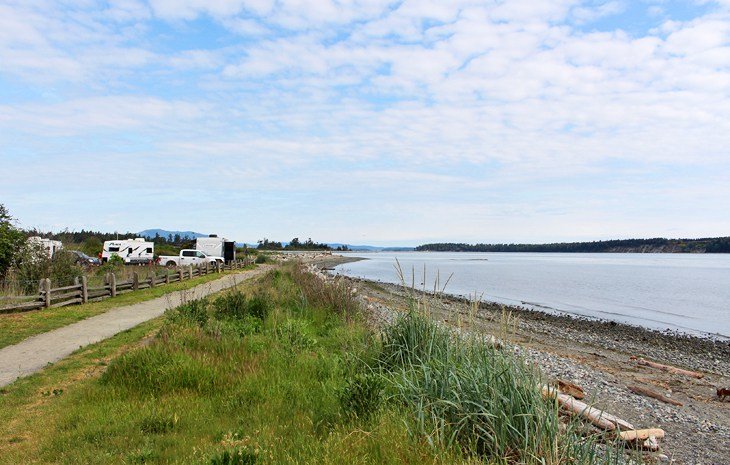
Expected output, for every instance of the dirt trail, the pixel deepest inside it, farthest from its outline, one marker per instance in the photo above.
(36, 352)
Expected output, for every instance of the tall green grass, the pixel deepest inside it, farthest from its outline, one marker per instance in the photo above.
(287, 373)
(482, 400)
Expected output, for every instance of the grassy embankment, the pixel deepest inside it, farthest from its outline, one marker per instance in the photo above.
(14, 327)
(286, 372)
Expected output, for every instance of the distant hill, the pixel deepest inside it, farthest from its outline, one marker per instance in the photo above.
(656, 245)
(165, 233)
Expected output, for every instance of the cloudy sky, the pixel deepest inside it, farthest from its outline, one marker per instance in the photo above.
(377, 122)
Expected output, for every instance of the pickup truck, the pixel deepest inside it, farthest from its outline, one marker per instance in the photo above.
(189, 257)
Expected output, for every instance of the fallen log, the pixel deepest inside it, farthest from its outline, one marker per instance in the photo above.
(595, 416)
(599, 418)
(641, 434)
(670, 369)
(654, 395)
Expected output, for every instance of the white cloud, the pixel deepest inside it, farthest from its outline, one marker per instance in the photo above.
(404, 98)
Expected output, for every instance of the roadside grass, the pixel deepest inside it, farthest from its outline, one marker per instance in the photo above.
(284, 371)
(28, 410)
(15, 327)
(239, 379)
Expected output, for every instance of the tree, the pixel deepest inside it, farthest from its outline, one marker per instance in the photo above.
(11, 238)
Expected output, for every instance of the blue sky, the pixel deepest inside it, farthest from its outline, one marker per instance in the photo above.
(376, 122)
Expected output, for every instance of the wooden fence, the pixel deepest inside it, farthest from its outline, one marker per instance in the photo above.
(81, 292)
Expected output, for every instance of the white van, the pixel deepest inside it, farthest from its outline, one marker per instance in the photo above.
(137, 250)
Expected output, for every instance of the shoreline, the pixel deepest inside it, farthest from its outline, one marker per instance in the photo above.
(598, 355)
(528, 308)
(616, 332)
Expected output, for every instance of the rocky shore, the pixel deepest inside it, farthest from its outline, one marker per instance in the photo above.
(602, 358)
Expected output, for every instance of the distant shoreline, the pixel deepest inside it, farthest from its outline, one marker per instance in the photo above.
(654, 245)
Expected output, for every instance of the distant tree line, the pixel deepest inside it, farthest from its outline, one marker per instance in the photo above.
(296, 244)
(659, 244)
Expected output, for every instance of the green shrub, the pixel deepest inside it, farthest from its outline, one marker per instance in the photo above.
(261, 258)
(194, 311)
(31, 264)
(64, 269)
(115, 264)
(235, 305)
(363, 396)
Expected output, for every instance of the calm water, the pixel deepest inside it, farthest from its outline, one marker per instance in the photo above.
(690, 293)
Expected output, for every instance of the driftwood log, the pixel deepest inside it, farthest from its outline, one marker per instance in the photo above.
(597, 417)
(669, 368)
(654, 395)
(641, 434)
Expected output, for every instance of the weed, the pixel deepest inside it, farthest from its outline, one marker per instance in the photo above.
(158, 423)
(193, 311)
(238, 456)
(235, 305)
(294, 334)
(362, 396)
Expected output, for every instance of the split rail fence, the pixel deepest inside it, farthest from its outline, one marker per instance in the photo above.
(81, 292)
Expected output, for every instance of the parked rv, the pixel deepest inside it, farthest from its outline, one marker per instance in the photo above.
(50, 246)
(137, 250)
(189, 257)
(217, 247)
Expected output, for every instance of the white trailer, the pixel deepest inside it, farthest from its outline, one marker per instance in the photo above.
(137, 250)
(215, 246)
(49, 245)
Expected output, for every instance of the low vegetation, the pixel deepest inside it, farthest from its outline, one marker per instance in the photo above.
(286, 371)
(14, 327)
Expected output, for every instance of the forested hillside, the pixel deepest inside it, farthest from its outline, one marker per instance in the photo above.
(656, 245)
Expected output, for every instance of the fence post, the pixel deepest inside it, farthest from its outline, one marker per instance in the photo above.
(152, 279)
(167, 277)
(47, 289)
(190, 270)
(135, 281)
(180, 273)
(84, 290)
(207, 267)
(113, 284)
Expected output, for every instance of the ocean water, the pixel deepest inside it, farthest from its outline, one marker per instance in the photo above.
(685, 292)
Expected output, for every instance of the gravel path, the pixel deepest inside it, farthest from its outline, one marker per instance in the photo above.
(36, 352)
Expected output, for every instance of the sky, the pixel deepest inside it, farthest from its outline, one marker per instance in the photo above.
(368, 122)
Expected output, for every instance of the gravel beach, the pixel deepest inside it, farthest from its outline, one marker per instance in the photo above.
(601, 357)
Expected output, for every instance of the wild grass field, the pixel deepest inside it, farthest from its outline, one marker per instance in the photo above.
(287, 371)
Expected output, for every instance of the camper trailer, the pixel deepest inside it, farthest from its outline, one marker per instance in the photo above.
(215, 246)
(137, 250)
(49, 245)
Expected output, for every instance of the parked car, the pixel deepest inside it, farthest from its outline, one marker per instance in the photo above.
(189, 257)
(83, 259)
